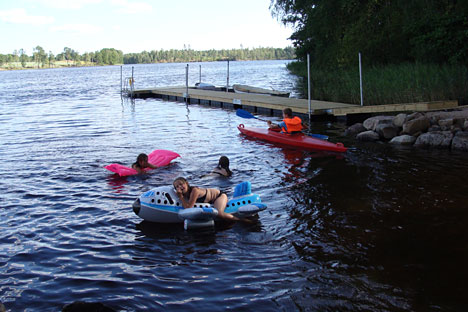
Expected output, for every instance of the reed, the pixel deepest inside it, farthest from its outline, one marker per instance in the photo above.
(390, 84)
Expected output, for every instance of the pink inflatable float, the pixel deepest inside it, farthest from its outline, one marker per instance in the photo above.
(158, 158)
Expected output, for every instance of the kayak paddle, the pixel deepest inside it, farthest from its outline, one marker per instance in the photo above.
(318, 136)
(245, 114)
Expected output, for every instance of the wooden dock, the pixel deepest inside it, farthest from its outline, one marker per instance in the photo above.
(273, 105)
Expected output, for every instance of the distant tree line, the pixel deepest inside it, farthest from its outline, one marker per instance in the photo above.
(41, 59)
(189, 55)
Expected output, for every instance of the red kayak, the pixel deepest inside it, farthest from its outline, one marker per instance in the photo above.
(297, 140)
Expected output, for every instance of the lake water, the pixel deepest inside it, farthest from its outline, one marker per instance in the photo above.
(376, 229)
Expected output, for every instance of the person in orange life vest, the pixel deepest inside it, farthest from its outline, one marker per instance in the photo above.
(289, 124)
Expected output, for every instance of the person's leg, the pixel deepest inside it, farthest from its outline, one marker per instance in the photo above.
(220, 205)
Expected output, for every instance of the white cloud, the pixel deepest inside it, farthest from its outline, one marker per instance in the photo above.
(19, 16)
(68, 4)
(128, 7)
(85, 29)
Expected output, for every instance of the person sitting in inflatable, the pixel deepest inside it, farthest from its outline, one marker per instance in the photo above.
(189, 195)
(223, 167)
(289, 124)
(142, 163)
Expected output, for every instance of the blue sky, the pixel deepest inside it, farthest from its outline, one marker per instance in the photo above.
(138, 25)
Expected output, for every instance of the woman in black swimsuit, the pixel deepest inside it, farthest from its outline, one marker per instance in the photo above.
(223, 167)
(189, 195)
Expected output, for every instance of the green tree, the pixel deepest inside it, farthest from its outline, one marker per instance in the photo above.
(51, 59)
(39, 56)
(23, 58)
(391, 31)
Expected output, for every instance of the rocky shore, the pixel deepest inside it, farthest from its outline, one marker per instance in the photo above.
(437, 129)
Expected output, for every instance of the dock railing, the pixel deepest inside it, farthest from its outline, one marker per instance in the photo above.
(127, 86)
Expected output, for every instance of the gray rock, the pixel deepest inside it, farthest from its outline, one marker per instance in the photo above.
(462, 113)
(460, 141)
(457, 121)
(368, 136)
(416, 125)
(355, 129)
(386, 131)
(437, 139)
(445, 124)
(399, 120)
(433, 128)
(372, 122)
(465, 125)
(403, 140)
(415, 115)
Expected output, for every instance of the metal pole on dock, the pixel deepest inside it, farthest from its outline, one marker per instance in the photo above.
(200, 75)
(121, 87)
(308, 89)
(227, 85)
(360, 78)
(132, 84)
(186, 83)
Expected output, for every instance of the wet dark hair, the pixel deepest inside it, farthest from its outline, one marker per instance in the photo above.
(224, 164)
(140, 157)
(288, 112)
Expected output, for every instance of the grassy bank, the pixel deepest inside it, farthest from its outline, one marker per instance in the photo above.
(33, 65)
(403, 83)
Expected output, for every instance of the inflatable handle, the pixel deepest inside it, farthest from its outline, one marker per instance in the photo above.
(241, 126)
(195, 224)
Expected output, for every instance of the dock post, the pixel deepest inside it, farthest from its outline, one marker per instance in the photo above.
(308, 89)
(132, 85)
(186, 84)
(200, 75)
(121, 86)
(227, 85)
(360, 77)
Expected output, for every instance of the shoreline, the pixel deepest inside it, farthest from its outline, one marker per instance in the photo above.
(445, 129)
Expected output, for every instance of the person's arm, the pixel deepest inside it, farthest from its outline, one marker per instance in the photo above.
(137, 168)
(192, 199)
(272, 125)
(152, 166)
(279, 125)
(148, 165)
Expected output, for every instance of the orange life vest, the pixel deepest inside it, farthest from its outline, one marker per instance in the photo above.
(292, 124)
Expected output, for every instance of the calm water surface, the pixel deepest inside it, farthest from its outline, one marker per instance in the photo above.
(376, 229)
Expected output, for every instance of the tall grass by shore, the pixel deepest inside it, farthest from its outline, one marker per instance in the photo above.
(391, 84)
(34, 65)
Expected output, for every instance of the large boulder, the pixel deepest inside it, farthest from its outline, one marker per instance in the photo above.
(368, 136)
(355, 129)
(372, 122)
(437, 139)
(414, 115)
(416, 125)
(445, 124)
(386, 131)
(399, 120)
(403, 140)
(460, 141)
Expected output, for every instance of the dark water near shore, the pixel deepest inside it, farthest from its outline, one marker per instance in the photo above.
(376, 229)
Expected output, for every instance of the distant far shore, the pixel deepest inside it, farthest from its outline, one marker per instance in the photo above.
(71, 58)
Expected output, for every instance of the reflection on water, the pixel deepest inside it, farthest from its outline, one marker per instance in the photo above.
(377, 228)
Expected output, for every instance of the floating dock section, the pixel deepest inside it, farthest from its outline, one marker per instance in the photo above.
(273, 105)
